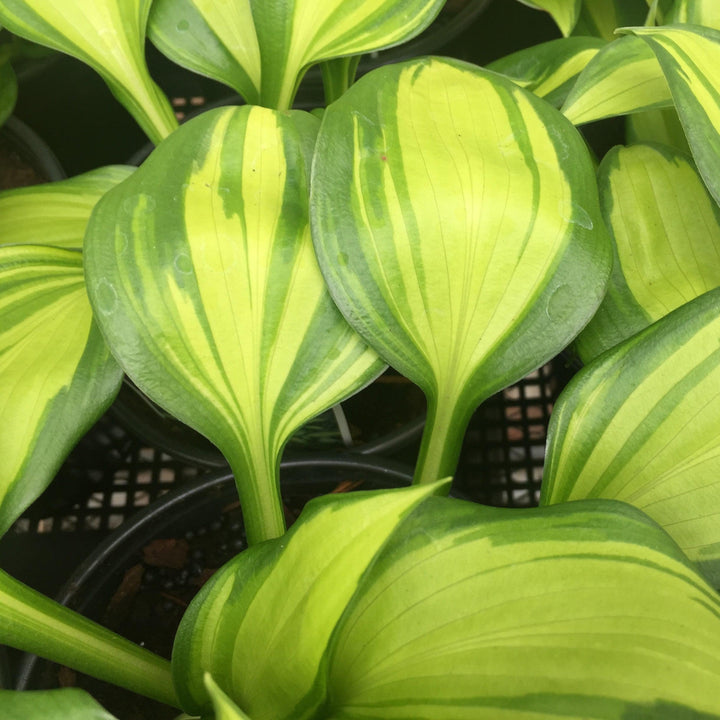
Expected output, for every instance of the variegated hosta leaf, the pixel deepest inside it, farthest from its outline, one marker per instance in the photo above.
(294, 34)
(456, 220)
(55, 213)
(237, 629)
(549, 69)
(690, 57)
(202, 273)
(56, 374)
(696, 12)
(215, 39)
(661, 125)
(666, 232)
(586, 610)
(641, 425)
(582, 611)
(600, 18)
(565, 13)
(50, 705)
(8, 91)
(108, 35)
(622, 78)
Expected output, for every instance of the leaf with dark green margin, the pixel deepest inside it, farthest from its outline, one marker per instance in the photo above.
(585, 610)
(202, 273)
(55, 213)
(238, 628)
(640, 424)
(665, 228)
(549, 69)
(56, 373)
(65, 704)
(107, 35)
(622, 78)
(456, 220)
(565, 13)
(690, 57)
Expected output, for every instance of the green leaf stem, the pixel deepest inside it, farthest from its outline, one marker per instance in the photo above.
(455, 234)
(640, 425)
(109, 36)
(202, 274)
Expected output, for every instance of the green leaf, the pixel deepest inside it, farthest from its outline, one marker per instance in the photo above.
(585, 610)
(657, 126)
(640, 425)
(600, 18)
(456, 220)
(295, 34)
(202, 274)
(666, 233)
(50, 705)
(695, 12)
(690, 57)
(56, 373)
(109, 36)
(55, 213)
(549, 69)
(8, 91)
(622, 78)
(217, 40)
(565, 13)
(297, 586)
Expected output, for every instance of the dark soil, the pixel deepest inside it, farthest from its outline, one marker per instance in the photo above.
(15, 172)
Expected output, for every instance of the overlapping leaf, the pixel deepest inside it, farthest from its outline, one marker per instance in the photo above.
(696, 12)
(55, 213)
(263, 48)
(51, 705)
(564, 12)
(641, 425)
(690, 57)
(622, 78)
(462, 613)
(108, 35)
(666, 233)
(202, 273)
(600, 18)
(549, 69)
(456, 220)
(661, 125)
(56, 374)
(238, 629)
(214, 39)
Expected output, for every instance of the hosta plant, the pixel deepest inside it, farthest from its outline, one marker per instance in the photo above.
(448, 220)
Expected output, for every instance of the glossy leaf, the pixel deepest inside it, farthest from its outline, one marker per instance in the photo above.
(622, 78)
(549, 69)
(51, 705)
(580, 611)
(237, 629)
(690, 57)
(108, 35)
(666, 233)
(640, 425)
(8, 91)
(565, 13)
(696, 12)
(462, 612)
(202, 273)
(56, 374)
(600, 18)
(459, 233)
(215, 39)
(55, 213)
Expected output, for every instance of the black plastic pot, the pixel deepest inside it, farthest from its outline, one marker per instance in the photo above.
(27, 148)
(189, 513)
